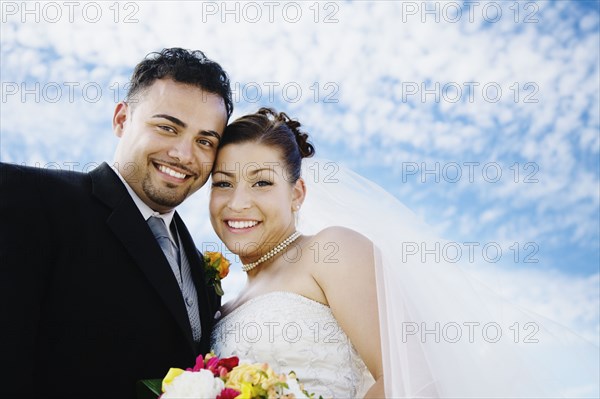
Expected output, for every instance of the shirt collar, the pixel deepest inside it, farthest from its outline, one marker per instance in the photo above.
(145, 210)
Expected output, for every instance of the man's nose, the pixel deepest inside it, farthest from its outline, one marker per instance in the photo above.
(182, 150)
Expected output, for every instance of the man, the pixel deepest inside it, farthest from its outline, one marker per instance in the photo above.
(101, 284)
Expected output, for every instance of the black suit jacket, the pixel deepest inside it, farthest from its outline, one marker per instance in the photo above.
(87, 297)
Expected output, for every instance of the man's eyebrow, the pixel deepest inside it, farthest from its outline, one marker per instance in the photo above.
(176, 121)
(211, 133)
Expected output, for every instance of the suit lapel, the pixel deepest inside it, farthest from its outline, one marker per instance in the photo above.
(131, 229)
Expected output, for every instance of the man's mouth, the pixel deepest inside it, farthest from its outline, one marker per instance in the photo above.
(171, 172)
(178, 173)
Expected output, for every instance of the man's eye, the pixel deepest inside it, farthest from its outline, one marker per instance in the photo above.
(205, 142)
(167, 128)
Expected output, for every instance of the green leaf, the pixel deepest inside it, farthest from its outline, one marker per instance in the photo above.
(218, 288)
(149, 389)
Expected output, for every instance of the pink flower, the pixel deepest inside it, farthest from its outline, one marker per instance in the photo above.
(212, 364)
(228, 393)
(219, 367)
(199, 364)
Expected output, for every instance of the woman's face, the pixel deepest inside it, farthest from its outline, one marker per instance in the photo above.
(252, 199)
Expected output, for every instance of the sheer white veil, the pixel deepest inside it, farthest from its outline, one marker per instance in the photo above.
(444, 333)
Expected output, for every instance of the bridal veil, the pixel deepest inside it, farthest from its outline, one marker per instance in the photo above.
(445, 333)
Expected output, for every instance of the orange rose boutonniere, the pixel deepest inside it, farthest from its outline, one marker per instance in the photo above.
(216, 267)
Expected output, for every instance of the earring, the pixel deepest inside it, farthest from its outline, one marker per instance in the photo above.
(295, 213)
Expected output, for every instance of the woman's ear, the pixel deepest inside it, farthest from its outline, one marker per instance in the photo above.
(298, 194)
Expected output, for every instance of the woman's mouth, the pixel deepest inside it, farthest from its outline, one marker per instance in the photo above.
(241, 224)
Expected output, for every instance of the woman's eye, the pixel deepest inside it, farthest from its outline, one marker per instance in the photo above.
(263, 183)
(221, 184)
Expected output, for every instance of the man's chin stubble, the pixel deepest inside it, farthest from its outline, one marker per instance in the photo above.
(163, 197)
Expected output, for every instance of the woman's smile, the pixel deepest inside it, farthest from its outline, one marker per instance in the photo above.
(241, 225)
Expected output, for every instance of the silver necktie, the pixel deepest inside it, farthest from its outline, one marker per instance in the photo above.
(158, 227)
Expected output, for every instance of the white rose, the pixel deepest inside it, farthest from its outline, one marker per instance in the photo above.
(201, 384)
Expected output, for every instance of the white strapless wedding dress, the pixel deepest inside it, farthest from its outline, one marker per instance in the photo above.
(293, 333)
(444, 333)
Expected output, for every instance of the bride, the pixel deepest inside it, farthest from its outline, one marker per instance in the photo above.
(304, 308)
(343, 309)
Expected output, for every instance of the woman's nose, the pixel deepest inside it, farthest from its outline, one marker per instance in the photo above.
(239, 200)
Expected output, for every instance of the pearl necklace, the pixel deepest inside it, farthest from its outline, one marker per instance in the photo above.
(274, 251)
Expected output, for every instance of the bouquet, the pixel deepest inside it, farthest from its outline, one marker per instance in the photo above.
(212, 377)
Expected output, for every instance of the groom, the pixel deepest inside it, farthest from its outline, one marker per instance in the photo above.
(100, 282)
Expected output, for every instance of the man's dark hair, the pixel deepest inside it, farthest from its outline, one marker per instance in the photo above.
(183, 66)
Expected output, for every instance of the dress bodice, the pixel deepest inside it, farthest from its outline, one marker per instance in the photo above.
(293, 333)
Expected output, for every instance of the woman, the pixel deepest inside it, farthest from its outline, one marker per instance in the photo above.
(303, 308)
(324, 305)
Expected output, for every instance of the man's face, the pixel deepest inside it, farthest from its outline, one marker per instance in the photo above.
(168, 141)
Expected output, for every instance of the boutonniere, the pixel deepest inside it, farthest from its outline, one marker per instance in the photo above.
(216, 267)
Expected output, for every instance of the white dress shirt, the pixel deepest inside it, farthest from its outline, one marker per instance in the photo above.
(144, 209)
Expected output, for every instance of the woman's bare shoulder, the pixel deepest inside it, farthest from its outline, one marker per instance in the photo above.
(342, 234)
(343, 244)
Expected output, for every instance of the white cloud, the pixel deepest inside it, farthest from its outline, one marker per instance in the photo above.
(569, 300)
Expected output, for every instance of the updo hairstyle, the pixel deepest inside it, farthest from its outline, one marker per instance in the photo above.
(273, 129)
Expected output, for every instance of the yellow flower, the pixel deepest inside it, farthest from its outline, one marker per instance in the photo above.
(218, 261)
(246, 391)
(213, 256)
(216, 268)
(256, 380)
(173, 372)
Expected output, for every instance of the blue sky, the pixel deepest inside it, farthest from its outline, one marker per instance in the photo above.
(409, 94)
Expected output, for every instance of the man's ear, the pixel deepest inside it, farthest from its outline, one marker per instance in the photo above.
(120, 117)
(298, 194)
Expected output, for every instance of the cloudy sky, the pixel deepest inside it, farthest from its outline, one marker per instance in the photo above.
(482, 117)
